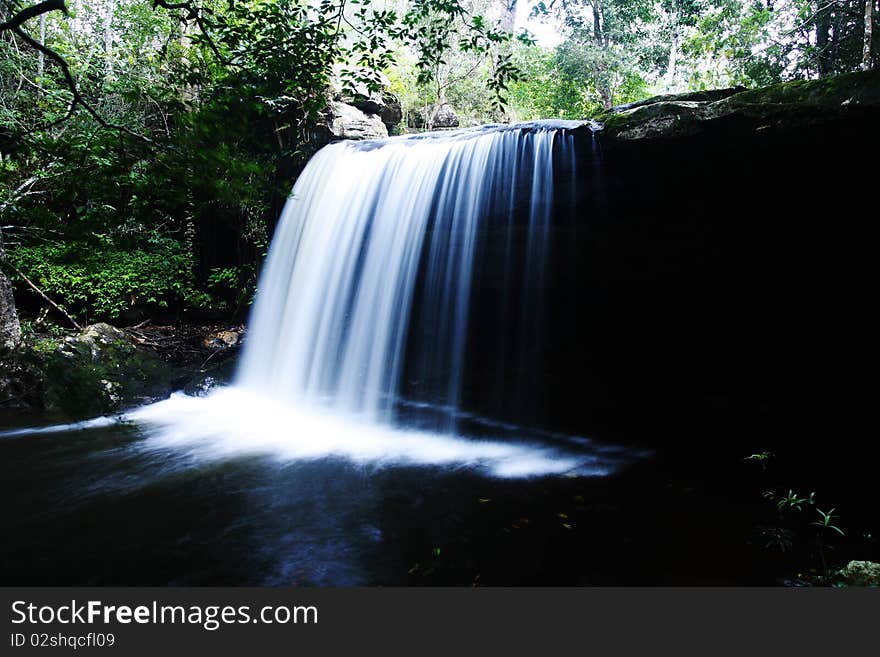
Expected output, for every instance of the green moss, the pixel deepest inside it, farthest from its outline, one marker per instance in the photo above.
(790, 103)
(859, 87)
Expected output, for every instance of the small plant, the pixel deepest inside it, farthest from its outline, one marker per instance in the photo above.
(801, 527)
(824, 523)
(760, 457)
(825, 519)
(793, 502)
(778, 537)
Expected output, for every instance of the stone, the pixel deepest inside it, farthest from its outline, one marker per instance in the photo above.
(710, 95)
(357, 94)
(222, 340)
(94, 340)
(392, 114)
(443, 117)
(348, 122)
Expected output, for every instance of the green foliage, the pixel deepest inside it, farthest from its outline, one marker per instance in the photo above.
(793, 502)
(798, 527)
(546, 89)
(98, 281)
(192, 120)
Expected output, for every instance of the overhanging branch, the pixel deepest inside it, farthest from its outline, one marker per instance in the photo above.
(32, 12)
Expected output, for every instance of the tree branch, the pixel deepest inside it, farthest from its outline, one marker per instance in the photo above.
(72, 86)
(32, 12)
(195, 13)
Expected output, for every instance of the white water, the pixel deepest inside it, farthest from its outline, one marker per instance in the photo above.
(371, 230)
(366, 225)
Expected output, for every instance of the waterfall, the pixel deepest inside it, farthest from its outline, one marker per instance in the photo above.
(400, 315)
(371, 272)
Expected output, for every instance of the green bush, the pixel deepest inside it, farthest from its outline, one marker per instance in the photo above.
(100, 281)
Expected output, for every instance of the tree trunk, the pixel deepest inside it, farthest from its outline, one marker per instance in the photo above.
(869, 34)
(673, 61)
(508, 20)
(823, 26)
(108, 37)
(10, 330)
(40, 59)
(597, 23)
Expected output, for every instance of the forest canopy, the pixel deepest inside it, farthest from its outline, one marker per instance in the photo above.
(147, 146)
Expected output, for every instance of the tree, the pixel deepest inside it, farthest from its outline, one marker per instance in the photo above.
(604, 42)
(867, 48)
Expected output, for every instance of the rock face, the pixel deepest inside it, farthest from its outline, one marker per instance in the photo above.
(784, 106)
(719, 272)
(442, 116)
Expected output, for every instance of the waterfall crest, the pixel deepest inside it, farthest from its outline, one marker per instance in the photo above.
(369, 276)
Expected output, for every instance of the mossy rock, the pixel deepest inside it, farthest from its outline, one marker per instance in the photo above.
(782, 106)
(858, 573)
(95, 372)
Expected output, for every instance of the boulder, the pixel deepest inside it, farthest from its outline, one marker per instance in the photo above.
(348, 122)
(392, 114)
(442, 116)
(358, 94)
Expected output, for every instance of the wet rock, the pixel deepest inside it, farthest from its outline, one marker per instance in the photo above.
(358, 93)
(708, 96)
(210, 377)
(94, 343)
(392, 114)
(21, 383)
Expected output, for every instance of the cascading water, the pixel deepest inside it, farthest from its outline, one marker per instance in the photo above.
(371, 227)
(401, 305)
